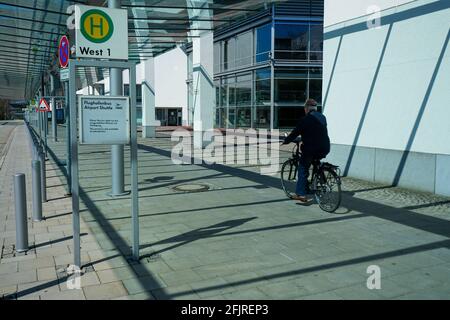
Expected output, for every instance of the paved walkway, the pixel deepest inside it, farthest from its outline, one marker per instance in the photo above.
(242, 239)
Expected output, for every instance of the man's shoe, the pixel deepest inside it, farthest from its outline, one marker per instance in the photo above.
(302, 199)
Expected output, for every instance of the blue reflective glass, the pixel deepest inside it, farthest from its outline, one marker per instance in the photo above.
(263, 42)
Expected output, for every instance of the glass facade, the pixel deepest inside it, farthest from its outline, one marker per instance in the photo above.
(244, 73)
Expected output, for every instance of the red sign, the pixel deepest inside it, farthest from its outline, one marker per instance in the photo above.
(43, 106)
(63, 50)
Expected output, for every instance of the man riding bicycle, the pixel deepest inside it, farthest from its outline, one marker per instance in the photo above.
(315, 145)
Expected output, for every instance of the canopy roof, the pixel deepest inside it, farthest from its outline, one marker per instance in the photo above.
(30, 31)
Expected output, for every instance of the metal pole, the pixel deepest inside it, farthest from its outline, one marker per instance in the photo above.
(20, 198)
(134, 166)
(36, 189)
(272, 74)
(45, 133)
(68, 152)
(32, 143)
(43, 176)
(117, 154)
(74, 165)
(39, 118)
(52, 103)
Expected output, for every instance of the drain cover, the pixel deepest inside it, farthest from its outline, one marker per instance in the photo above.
(191, 187)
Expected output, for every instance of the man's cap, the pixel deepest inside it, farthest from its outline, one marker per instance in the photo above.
(310, 103)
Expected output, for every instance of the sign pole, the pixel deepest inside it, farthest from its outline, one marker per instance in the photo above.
(63, 56)
(53, 109)
(68, 140)
(134, 167)
(74, 165)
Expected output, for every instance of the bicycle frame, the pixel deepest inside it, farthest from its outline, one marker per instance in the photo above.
(296, 155)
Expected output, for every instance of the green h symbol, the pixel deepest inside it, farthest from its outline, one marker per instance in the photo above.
(100, 26)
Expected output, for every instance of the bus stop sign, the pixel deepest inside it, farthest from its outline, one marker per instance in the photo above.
(101, 33)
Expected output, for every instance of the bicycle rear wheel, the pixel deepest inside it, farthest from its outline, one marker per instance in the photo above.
(289, 177)
(327, 189)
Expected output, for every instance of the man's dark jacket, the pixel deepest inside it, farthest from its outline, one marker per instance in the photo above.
(314, 133)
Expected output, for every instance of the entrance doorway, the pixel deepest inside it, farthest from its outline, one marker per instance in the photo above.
(169, 116)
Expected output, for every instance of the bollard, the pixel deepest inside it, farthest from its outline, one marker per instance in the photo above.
(43, 176)
(36, 190)
(20, 198)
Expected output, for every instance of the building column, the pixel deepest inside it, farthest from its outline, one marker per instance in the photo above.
(203, 89)
(149, 122)
(203, 86)
(117, 151)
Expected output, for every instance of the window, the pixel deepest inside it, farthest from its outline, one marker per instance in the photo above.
(223, 117)
(228, 54)
(217, 57)
(244, 117)
(262, 117)
(291, 86)
(315, 90)
(244, 90)
(290, 90)
(287, 117)
(291, 41)
(126, 92)
(217, 119)
(315, 84)
(231, 118)
(224, 94)
(244, 50)
(190, 63)
(231, 83)
(263, 43)
(217, 87)
(316, 42)
(262, 86)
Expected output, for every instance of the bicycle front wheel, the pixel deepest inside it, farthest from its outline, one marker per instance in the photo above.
(327, 189)
(289, 177)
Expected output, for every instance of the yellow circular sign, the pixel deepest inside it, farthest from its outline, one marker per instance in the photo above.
(96, 26)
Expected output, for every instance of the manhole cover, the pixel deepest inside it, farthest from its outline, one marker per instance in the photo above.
(191, 187)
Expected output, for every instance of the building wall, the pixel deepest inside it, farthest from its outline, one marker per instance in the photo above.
(170, 80)
(386, 91)
(338, 11)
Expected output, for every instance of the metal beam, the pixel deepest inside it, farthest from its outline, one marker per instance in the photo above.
(157, 6)
(29, 44)
(34, 21)
(27, 37)
(31, 30)
(35, 9)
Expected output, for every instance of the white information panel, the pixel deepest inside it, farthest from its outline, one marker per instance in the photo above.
(104, 120)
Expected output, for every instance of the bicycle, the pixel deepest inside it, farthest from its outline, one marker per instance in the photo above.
(324, 184)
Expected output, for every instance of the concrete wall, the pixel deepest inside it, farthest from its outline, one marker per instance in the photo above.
(386, 91)
(414, 170)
